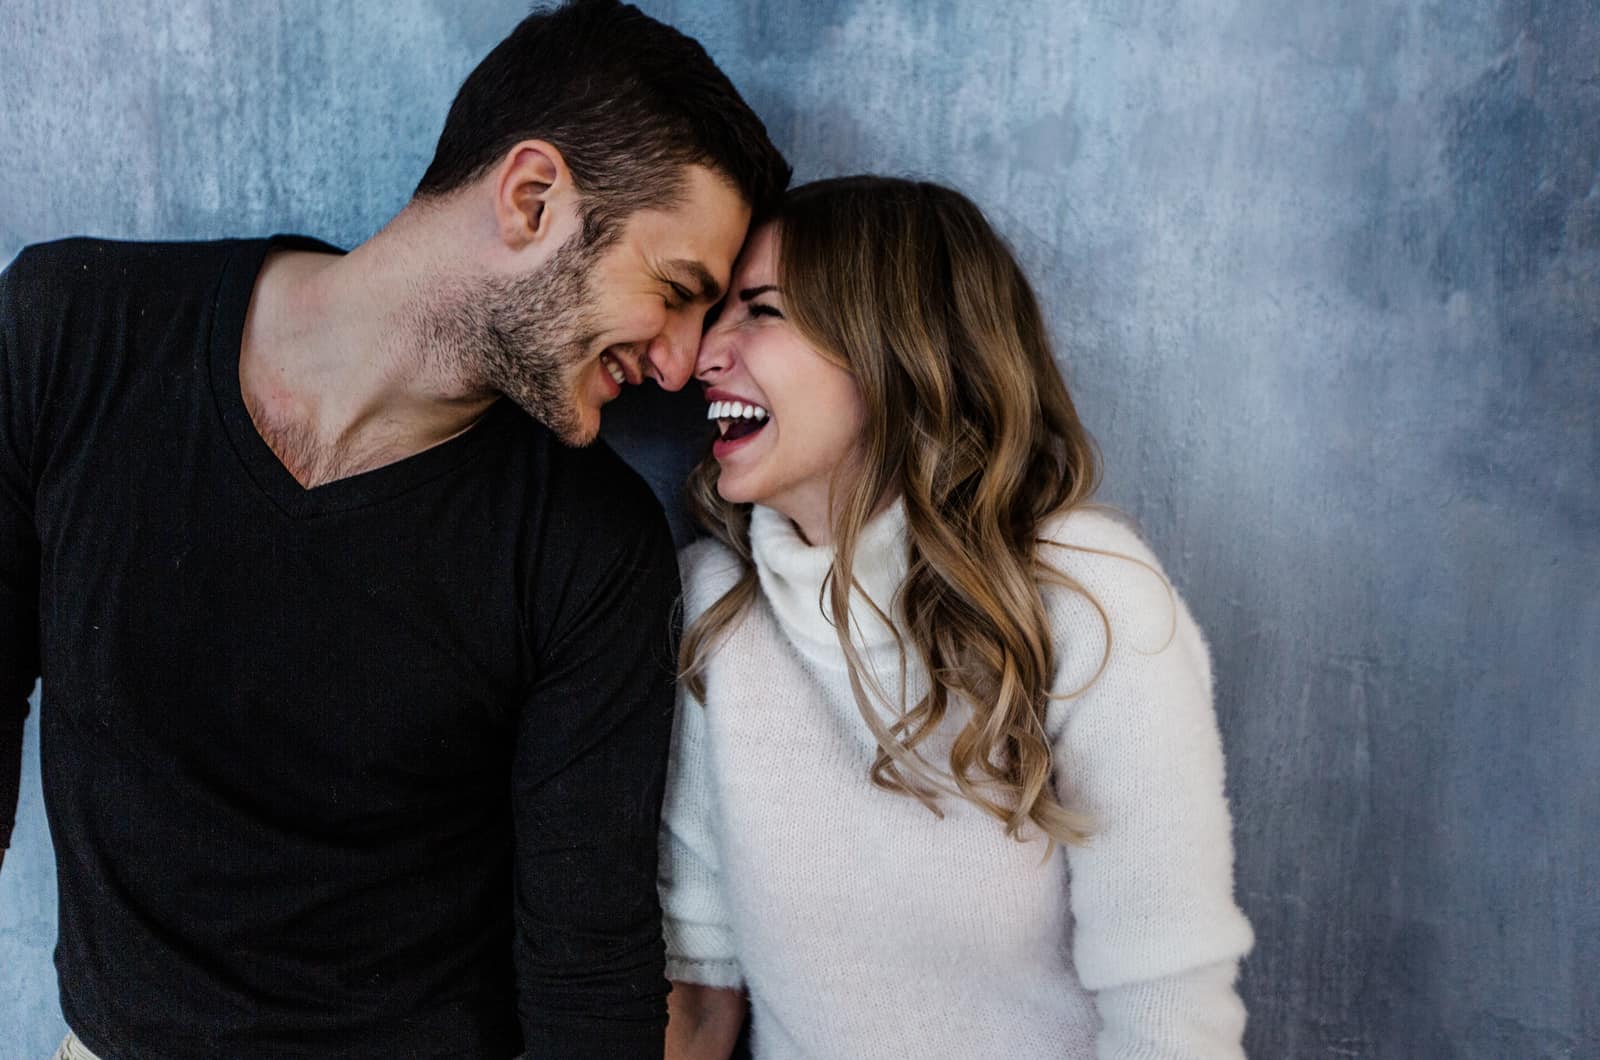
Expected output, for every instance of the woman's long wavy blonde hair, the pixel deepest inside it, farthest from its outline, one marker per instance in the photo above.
(906, 285)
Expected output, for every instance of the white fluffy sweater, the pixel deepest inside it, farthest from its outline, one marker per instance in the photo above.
(863, 925)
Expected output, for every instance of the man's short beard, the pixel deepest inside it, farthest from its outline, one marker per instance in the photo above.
(523, 335)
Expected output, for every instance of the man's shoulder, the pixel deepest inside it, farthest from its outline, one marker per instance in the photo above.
(593, 535)
(84, 274)
(590, 495)
(90, 258)
(596, 473)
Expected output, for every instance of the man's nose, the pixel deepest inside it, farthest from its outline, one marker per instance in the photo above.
(672, 354)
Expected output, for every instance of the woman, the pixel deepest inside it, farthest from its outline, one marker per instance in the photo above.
(916, 662)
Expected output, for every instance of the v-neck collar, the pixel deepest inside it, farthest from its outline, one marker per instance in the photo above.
(258, 460)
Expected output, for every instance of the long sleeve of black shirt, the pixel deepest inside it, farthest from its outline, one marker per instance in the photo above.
(19, 558)
(367, 770)
(586, 798)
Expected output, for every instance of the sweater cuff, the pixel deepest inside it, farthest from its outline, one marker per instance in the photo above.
(725, 975)
(1193, 1015)
(701, 948)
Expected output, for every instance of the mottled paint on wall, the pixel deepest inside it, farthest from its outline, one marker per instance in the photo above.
(1326, 281)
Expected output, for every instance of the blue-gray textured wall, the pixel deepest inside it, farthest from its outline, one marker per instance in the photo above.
(1326, 280)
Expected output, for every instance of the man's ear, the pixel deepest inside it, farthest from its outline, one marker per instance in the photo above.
(533, 191)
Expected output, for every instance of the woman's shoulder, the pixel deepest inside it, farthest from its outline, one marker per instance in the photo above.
(1101, 550)
(708, 569)
(1114, 595)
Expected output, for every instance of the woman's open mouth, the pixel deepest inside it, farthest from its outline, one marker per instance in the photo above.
(737, 420)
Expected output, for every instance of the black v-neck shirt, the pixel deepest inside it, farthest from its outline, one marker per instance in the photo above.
(367, 770)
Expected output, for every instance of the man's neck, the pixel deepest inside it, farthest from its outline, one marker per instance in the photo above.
(337, 367)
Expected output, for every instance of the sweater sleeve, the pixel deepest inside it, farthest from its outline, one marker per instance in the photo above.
(1157, 935)
(695, 916)
(589, 769)
(19, 548)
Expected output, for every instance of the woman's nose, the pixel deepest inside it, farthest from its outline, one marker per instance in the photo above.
(715, 355)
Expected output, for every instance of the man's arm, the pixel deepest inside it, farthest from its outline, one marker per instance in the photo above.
(19, 553)
(589, 772)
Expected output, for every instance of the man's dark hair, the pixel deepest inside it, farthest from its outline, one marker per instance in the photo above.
(627, 100)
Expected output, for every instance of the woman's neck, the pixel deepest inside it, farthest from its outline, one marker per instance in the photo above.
(794, 572)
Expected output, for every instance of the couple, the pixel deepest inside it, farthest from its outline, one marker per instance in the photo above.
(359, 660)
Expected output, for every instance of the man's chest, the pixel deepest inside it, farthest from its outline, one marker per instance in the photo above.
(187, 621)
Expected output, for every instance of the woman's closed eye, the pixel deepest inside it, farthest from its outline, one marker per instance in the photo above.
(761, 309)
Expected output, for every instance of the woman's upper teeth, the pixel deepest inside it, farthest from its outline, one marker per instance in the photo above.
(733, 410)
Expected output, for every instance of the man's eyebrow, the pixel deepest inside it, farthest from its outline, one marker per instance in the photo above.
(756, 292)
(709, 290)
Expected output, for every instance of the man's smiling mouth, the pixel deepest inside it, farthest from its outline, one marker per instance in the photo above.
(614, 366)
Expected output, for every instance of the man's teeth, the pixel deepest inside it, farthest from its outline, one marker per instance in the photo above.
(734, 410)
(614, 368)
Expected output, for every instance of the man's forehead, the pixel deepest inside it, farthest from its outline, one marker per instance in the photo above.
(702, 196)
(697, 237)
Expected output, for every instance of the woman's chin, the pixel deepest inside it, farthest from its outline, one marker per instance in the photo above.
(731, 492)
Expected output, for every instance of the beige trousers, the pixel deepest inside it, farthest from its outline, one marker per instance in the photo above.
(72, 1049)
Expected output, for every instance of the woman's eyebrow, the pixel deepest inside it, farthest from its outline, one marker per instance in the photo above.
(755, 292)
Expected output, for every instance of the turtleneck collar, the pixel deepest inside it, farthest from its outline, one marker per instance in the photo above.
(792, 574)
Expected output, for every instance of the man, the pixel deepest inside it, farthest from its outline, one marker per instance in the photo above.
(358, 677)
